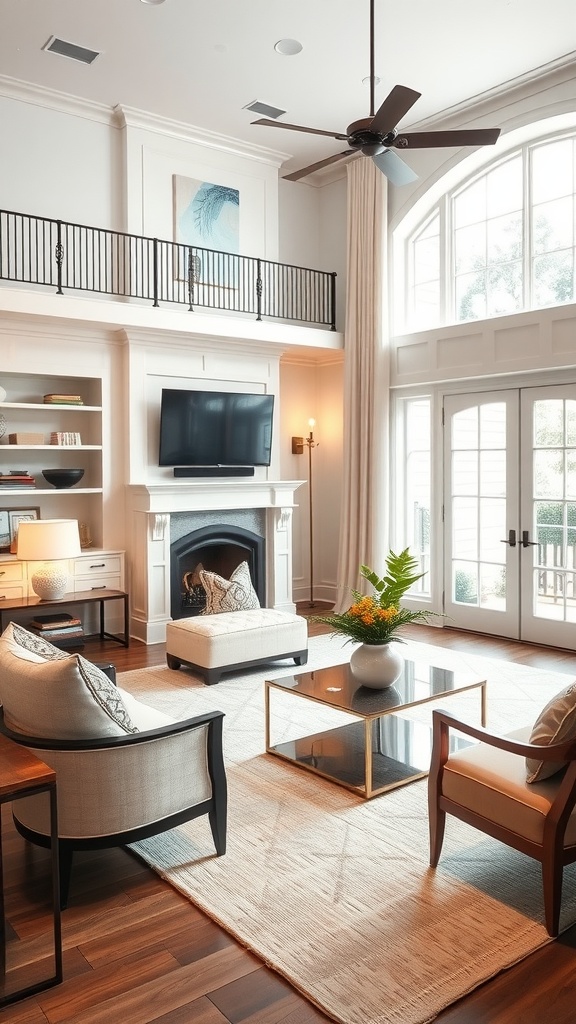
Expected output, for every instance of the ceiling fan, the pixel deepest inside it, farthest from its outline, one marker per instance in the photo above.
(377, 136)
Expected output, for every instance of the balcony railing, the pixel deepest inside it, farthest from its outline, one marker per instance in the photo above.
(65, 256)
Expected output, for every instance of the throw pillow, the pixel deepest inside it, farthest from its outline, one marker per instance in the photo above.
(233, 595)
(555, 724)
(62, 696)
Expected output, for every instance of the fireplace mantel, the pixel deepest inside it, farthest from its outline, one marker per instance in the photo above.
(149, 507)
(237, 492)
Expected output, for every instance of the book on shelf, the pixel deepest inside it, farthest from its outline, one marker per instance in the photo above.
(65, 437)
(59, 631)
(57, 621)
(63, 400)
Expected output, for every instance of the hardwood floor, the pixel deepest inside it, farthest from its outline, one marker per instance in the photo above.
(136, 951)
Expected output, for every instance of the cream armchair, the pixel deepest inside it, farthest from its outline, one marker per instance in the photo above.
(486, 785)
(124, 771)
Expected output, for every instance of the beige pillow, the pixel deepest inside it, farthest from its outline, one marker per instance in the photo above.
(556, 723)
(233, 595)
(46, 692)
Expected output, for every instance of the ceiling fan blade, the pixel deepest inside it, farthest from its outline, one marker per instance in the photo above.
(426, 140)
(298, 128)
(316, 167)
(395, 106)
(394, 168)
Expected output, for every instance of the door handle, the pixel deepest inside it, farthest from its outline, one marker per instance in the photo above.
(511, 539)
(526, 543)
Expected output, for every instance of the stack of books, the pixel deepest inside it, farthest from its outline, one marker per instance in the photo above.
(63, 400)
(18, 478)
(59, 628)
(65, 437)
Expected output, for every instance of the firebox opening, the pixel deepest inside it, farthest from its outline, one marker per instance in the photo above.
(218, 549)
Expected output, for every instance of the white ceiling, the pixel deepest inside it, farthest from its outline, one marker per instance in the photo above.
(202, 62)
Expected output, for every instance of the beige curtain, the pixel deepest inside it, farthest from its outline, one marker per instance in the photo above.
(364, 526)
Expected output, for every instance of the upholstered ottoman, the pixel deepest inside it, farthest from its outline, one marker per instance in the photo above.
(214, 644)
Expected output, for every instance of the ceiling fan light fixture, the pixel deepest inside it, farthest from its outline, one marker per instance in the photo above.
(373, 149)
(288, 47)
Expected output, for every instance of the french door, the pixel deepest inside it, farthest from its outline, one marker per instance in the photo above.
(510, 513)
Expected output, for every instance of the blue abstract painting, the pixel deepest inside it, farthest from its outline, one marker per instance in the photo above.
(206, 215)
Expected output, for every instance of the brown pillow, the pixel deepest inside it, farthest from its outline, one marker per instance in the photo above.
(556, 723)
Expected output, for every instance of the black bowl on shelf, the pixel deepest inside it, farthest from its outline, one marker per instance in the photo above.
(63, 477)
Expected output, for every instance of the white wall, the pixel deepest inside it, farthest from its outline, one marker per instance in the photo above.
(58, 163)
(314, 389)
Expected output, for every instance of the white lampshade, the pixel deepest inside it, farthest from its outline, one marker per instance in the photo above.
(48, 540)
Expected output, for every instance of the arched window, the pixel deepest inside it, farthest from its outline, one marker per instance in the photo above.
(501, 242)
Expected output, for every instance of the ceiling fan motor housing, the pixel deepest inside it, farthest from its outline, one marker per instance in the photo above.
(371, 143)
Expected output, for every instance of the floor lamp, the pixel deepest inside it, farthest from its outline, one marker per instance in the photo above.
(298, 449)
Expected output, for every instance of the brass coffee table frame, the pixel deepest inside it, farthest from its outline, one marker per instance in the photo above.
(335, 687)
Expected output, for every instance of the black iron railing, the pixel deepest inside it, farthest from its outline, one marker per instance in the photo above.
(55, 253)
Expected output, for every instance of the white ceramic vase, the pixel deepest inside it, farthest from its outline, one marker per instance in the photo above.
(376, 665)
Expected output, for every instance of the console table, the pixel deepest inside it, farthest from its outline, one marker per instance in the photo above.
(24, 774)
(100, 597)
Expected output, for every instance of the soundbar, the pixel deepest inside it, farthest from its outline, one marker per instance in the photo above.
(213, 471)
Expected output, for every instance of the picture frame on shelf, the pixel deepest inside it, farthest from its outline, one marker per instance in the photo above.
(4, 530)
(17, 516)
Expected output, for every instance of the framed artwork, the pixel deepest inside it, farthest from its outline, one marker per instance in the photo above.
(206, 215)
(17, 516)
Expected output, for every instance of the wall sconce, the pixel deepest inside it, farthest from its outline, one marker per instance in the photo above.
(298, 444)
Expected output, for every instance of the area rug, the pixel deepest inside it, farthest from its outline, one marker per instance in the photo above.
(335, 893)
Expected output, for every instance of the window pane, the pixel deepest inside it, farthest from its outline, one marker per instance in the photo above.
(465, 473)
(504, 188)
(465, 429)
(548, 474)
(426, 260)
(553, 278)
(426, 312)
(549, 422)
(470, 248)
(505, 292)
(469, 206)
(465, 583)
(552, 174)
(504, 238)
(553, 225)
(471, 297)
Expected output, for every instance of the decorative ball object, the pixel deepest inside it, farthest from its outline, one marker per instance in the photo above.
(61, 478)
(50, 582)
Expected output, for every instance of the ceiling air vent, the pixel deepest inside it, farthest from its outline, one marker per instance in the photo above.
(65, 49)
(264, 108)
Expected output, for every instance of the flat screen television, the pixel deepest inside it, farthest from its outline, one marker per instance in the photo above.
(215, 428)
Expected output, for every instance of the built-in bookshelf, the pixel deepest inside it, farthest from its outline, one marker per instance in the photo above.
(32, 422)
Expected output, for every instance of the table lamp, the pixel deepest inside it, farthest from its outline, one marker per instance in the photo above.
(50, 541)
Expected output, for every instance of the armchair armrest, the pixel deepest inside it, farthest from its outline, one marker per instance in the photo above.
(443, 721)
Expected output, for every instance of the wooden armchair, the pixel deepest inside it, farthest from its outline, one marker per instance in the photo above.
(485, 785)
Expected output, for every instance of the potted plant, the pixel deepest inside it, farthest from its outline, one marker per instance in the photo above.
(375, 620)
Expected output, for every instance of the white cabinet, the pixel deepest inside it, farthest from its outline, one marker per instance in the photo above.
(13, 580)
(99, 570)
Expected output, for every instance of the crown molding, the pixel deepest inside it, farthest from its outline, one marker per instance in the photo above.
(130, 117)
(26, 92)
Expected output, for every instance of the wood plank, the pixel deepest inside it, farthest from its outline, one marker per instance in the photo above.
(142, 1001)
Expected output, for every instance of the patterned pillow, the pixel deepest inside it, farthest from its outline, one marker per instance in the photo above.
(46, 692)
(555, 724)
(233, 595)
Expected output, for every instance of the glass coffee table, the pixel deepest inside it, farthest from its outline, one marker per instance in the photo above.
(386, 745)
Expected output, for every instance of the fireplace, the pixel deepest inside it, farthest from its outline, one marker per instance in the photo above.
(217, 548)
(162, 514)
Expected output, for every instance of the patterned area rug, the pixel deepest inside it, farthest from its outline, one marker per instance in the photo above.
(335, 893)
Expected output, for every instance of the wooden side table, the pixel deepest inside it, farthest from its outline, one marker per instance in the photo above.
(24, 774)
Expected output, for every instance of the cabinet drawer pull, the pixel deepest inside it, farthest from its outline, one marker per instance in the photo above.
(3, 572)
(100, 565)
(103, 587)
